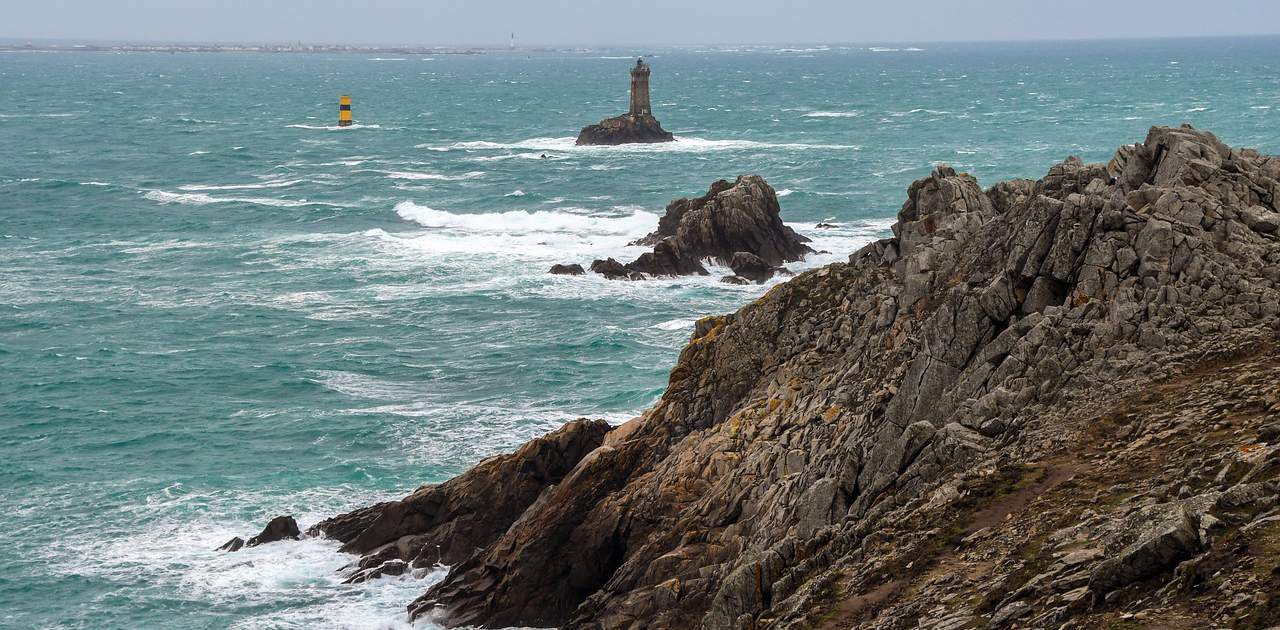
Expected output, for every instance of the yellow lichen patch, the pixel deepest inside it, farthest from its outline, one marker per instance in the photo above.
(672, 585)
(774, 403)
(832, 412)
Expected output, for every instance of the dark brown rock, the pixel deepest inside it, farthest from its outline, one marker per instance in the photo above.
(448, 522)
(567, 270)
(279, 528)
(742, 217)
(751, 267)
(625, 129)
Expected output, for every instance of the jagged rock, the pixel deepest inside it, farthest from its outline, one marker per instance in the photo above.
(736, 280)
(614, 270)
(446, 523)
(567, 270)
(279, 528)
(820, 442)
(1154, 554)
(235, 544)
(625, 129)
(742, 217)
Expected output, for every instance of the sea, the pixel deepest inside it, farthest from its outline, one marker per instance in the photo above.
(216, 306)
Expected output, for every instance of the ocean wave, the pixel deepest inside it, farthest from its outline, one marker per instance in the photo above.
(418, 176)
(682, 144)
(200, 199)
(544, 235)
(676, 324)
(849, 114)
(352, 127)
(284, 183)
(523, 221)
(786, 192)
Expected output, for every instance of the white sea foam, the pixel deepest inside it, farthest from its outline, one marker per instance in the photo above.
(282, 183)
(351, 127)
(849, 114)
(525, 221)
(174, 548)
(418, 176)
(200, 199)
(549, 235)
(786, 192)
(682, 144)
(515, 193)
(676, 324)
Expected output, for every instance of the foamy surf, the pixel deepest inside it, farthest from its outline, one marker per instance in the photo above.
(200, 199)
(352, 127)
(682, 144)
(286, 183)
(419, 176)
(848, 114)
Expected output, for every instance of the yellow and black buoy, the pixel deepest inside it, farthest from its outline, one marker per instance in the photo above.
(344, 111)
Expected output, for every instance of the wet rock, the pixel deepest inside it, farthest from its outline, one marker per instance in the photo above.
(614, 270)
(279, 528)
(446, 523)
(567, 270)
(751, 267)
(235, 544)
(742, 217)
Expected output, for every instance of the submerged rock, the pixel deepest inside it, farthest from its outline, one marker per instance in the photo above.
(969, 423)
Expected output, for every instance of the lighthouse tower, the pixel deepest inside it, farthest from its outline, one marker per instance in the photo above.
(640, 90)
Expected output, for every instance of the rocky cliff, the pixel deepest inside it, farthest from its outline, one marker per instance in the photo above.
(1049, 404)
(625, 129)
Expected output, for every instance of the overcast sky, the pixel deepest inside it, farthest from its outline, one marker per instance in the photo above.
(627, 22)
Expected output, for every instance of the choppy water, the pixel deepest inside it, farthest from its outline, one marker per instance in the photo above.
(215, 307)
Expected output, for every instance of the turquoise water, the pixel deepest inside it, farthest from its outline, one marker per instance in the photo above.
(215, 307)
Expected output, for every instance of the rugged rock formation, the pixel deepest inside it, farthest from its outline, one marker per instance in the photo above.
(449, 522)
(1042, 405)
(731, 219)
(279, 528)
(625, 129)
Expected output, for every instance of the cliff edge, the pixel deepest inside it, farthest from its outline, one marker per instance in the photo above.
(1051, 403)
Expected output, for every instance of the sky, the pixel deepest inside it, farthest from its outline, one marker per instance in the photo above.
(626, 22)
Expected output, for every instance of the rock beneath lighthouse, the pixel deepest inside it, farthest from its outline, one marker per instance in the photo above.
(625, 129)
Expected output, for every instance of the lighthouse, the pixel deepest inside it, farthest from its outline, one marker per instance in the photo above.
(640, 90)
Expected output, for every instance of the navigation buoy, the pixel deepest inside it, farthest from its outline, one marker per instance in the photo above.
(344, 111)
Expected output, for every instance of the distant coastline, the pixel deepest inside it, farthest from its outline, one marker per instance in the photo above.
(251, 48)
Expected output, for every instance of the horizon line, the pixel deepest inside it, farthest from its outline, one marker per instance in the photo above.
(7, 40)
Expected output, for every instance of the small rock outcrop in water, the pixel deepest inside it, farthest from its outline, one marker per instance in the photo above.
(625, 129)
(567, 270)
(733, 219)
(1048, 404)
(637, 126)
(279, 528)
